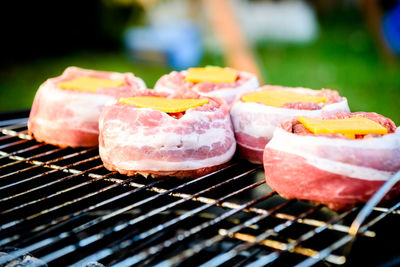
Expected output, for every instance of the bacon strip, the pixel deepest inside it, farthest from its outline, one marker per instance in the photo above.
(70, 117)
(174, 84)
(339, 172)
(254, 123)
(150, 142)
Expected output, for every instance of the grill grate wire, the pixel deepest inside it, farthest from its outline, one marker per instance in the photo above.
(64, 207)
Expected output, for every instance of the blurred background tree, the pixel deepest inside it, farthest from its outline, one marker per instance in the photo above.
(349, 46)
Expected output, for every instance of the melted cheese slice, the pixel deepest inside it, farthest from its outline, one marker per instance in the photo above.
(277, 98)
(87, 83)
(348, 127)
(167, 105)
(211, 74)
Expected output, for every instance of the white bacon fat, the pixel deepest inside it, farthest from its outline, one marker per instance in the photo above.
(70, 117)
(142, 140)
(174, 84)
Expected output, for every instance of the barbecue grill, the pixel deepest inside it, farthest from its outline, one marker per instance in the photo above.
(60, 205)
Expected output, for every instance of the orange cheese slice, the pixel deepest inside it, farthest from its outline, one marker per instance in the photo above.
(211, 74)
(348, 127)
(87, 83)
(168, 105)
(277, 98)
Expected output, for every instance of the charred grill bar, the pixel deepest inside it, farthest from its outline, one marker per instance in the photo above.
(62, 206)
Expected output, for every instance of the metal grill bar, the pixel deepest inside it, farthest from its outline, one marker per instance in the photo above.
(233, 205)
(292, 245)
(13, 144)
(47, 185)
(279, 215)
(372, 203)
(133, 241)
(12, 129)
(280, 246)
(190, 252)
(18, 159)
(45, 164)
(49, 241)
(174, 221)
(83, 227)
(84, 211)
(108, 216)
(31, 217)
(378, 218)
(22, 150)
(193, 212)
(119, 227)
(260, 238)
(386, 210)
(19, 121)
(325, 252)
(156, 249)
(9, 133)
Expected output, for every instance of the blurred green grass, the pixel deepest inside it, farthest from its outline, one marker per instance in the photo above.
(343, 58)
(19, 82)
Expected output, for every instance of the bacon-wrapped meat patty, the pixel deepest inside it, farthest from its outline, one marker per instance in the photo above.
(66, 109)
(339, 160)
(256, 114)
(160, 136)
(213, 82)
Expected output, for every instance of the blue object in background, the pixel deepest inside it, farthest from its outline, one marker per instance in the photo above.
(178, 44)
(391, 28)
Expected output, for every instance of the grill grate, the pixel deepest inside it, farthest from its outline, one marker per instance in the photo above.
(62, 206)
